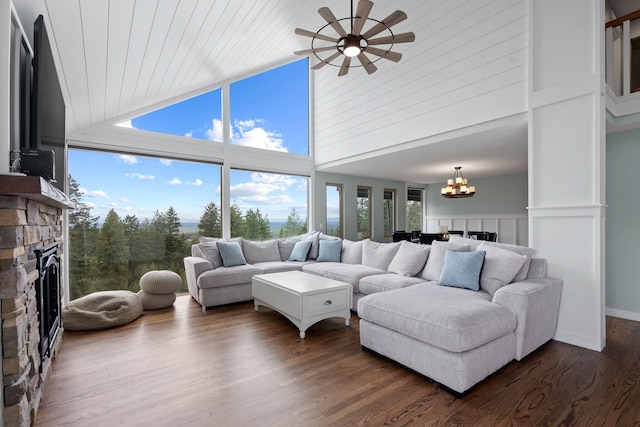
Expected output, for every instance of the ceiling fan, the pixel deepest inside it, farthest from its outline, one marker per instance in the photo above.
(355, 43)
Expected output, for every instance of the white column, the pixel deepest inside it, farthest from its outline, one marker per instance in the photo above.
(567, 157)
(5, 66)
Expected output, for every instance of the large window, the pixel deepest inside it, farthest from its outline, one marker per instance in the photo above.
(198, 117)
(267, 205)
(271, 110)
(363, 211)
(389, 214)
(414, 209)
(135, 214)
(333, 226)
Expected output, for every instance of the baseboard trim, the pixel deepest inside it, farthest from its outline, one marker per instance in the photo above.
(622, 314)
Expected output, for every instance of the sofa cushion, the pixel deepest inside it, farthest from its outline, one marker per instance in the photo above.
(314, 238)
(521, 250)
(210, 252)
(433, 267)
(386, 282)
(351, 252)
(352, 273)
(473, 243)
(329, 250)
(227, 276)
(500, 267)
(378, 255)
(285, 246)
(410, 259)
(264, 251)
(320, 268)
(452, 319)
(300, 251)
(231, 254)
(462, 269)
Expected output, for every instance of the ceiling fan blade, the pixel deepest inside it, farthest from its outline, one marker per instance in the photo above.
(314, 50)
(368, 65)
(326, 61)
(386, 54)
(388, 22)
(307, 33)
(328, 16)
(396, 38)
(345, 66)
(362, 13)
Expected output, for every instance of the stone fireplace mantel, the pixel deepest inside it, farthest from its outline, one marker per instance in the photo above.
(31, 218)
(34, 188)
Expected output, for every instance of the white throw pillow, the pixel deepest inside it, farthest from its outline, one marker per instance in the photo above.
(410, 259)
(378, 255)
(351, 252)
(433, 267)
(520, 250)
(500, 267)
(260, 251)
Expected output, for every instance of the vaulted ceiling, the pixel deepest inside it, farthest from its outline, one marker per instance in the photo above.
(116, 57)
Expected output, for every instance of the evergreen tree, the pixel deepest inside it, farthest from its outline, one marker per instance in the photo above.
(294, 225)
(237, 221)
(112, 253)
(83, 232)
(210, 224)
(256, 227)
(173, 240)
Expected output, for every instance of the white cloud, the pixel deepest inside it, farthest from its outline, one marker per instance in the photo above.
(189, 134)
(276, 199)
(166, 162)
(98, 194)
(126, 124)
(258, 138)
(127, 158)
(273, 178)
(113, 205)
(197, 182)
(175, 181)
(215, 133)
(90, 205)
(123, 200)
(139, 176)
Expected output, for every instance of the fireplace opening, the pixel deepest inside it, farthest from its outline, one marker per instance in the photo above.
(48, 296)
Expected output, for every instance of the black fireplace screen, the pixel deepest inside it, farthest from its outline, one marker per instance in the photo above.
(48, 295)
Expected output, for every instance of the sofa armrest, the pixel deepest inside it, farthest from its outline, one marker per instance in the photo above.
(194, 267)
(535, 303)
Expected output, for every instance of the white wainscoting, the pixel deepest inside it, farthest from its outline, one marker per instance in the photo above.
(513, 229)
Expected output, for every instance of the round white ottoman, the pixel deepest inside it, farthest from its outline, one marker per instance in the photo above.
(158, 289)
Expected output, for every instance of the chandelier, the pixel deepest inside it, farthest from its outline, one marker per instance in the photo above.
(457, 187)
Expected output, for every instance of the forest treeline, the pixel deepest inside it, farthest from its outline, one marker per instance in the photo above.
(117, 253)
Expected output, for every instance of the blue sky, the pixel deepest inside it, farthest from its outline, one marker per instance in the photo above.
(267, 111)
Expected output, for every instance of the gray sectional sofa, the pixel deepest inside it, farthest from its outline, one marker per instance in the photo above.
(453, 311)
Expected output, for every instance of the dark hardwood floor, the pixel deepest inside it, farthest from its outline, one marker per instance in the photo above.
(232, 366)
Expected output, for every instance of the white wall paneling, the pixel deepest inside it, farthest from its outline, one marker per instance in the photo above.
(566, 145)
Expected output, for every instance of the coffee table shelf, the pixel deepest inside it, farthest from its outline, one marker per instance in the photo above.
(303, 298)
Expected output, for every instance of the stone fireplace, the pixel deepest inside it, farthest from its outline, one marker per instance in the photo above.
(30, 227)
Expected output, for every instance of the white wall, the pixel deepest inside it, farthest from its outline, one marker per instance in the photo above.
(623, 233)
(467, 66)
(499, 205)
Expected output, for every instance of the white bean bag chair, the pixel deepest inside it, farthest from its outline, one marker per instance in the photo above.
(101, 310)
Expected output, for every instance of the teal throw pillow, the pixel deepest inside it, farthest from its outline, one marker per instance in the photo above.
(300, 251)
(462, 269)
(231, 254)
(329, 251)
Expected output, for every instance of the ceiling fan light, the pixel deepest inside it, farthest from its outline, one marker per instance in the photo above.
(352, 46)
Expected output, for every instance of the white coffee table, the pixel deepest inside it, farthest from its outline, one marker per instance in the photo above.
(302, 298)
